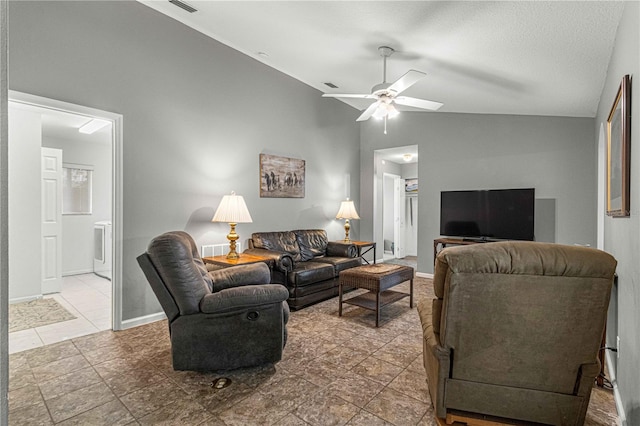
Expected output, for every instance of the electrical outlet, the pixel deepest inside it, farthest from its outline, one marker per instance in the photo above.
(618, 347)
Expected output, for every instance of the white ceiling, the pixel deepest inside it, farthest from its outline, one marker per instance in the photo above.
(64, 125)
(505, 57)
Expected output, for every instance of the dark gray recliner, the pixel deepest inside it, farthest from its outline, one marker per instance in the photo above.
(218, 320)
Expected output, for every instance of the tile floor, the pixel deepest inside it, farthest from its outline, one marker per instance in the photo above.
(335, 371)
(87, 297)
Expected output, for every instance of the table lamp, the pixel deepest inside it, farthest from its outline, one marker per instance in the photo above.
(347, 211)
(232, 209)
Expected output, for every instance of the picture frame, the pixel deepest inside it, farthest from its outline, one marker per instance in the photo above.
(618, 152)
(411, 186)
(281, 177)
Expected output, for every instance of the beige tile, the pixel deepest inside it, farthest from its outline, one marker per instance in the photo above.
(344, 357)
(50, 353)
(59, 368)
(73, 403)
(24, 396)
(377, 370)
(112, 413)
(291, 420)
(30, 415)
(365, 418)
(68, 383)
(413, 384)
(397, 408)
(325, 408)
(257, 409)
(182, 412)
(149, 399)
(355, 389)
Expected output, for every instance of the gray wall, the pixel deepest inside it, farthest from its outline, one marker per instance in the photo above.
(197, 114)
(622, 235)
(554, 155)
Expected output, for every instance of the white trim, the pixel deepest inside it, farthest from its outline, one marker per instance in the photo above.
(116, 152)
(24, 299)
(616, 391)
(147, 319)
(424, 275)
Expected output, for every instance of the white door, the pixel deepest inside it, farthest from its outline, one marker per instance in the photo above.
(51, 242)
(399, 227)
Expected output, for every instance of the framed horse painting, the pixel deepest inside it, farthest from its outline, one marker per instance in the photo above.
(281, 177)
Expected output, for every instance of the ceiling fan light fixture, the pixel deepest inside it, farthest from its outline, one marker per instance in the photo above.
(392, 112)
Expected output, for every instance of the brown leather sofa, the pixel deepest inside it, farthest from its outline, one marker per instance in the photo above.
(515, 330)
(305, 261)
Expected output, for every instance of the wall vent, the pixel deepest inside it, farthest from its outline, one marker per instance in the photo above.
(183, 5)
(333, 86)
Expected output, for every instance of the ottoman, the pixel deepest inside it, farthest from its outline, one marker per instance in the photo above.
(378, 279)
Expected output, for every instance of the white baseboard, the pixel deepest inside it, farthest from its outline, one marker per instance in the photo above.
(24, 299)
(78, 272)
(424, 275)
(147, 319)
(616, 392)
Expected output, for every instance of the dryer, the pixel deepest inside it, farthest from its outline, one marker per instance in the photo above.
(102, 258)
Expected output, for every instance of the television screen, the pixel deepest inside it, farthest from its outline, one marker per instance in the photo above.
(501, 214)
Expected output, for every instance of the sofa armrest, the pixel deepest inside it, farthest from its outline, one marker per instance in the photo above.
(340, 249)
(241, 275)
(281, 261)
(236, 298)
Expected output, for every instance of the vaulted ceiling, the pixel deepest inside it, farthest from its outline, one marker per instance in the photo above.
(505, 57)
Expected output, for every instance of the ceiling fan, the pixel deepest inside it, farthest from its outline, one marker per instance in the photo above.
(386, 94)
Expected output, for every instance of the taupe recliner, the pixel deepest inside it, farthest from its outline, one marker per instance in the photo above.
(515, 330)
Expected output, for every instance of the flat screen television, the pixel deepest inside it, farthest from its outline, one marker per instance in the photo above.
(496, 214)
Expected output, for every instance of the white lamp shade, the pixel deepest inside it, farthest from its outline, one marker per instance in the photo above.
(232, 209)
(347, 211)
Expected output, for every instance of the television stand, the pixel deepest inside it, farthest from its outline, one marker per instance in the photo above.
(443, 242)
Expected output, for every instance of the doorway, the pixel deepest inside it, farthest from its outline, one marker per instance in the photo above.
(91, 167)
(396, 218)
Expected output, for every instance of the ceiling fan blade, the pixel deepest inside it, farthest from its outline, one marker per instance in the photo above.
(347, 95)
(417, 103)
(368, 112)
(406, 81)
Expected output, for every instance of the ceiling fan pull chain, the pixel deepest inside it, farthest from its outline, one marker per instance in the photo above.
(385, 124)
(384, 70)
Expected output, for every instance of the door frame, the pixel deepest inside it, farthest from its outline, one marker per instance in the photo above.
(116, 184)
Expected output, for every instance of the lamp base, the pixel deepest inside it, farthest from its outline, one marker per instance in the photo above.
(347, 227)
(232, 237)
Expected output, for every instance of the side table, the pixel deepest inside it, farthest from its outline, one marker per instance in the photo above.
(243, 259)
(361, 246)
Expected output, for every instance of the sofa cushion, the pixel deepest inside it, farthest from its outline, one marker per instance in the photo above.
(339, 263)
(306, 273)
(280, 241)
(312, 243)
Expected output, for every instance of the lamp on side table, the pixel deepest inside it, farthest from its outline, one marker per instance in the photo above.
(232, 209)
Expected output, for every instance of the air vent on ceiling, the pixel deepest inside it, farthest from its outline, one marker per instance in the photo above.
(333, 86)
(183, 5)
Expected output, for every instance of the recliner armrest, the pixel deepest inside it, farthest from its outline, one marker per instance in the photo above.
(340, 249)
(237, 298)
(241, 275)
(281, 261)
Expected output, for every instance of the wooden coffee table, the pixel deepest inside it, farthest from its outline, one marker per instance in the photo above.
(378, 279)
